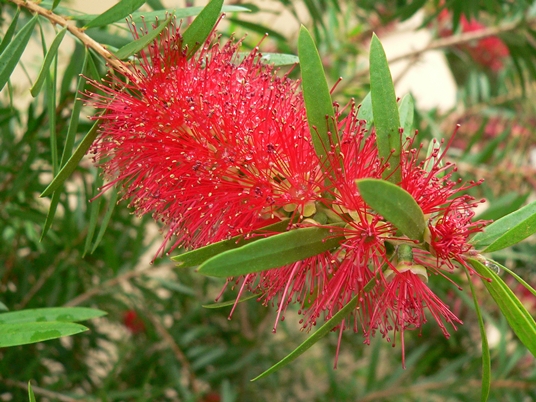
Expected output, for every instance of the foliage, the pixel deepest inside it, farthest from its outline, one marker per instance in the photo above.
(65, 245)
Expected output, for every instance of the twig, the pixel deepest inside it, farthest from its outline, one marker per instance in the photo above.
(110, 58)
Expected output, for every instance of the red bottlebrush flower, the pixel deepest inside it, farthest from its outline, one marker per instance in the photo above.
(133, 322)
(211, 146)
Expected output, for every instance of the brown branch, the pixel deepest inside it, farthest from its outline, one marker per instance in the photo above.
(110, 58)
(41, 391)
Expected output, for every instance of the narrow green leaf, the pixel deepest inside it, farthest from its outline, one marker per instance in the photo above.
(69, 143)
(73, 161)
(104, 223)
(63, 314)
(199, 30)
(45, 68)
(31, 395)
(230, 302)
(272, 252)
(395, 204)
(135, 46)
(115, 13)
(320, 113)
(486, 358)
(406, 110)
(314, 338)
(12, 53)
(94, 209)
(516, 277)
(200, 255)
(519, 319)
(508, 230)
(55, 4)
(385, 110)
(279, 59)
(10, 31)
(365, 111)
(32, 332)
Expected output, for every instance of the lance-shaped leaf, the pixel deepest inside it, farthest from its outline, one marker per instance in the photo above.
(320, 113)
(319, 334)
(199, 30)
(12, 53)
(230, 302)
(508, 230)
(395, 204)
(406, 110)
(486, 359)
(72, 163)
(385, 110)
(272, 252)
(138, 44)
(65, 314)
(10, 31)
(115, 13)
(32, 332)
(51, 53)
(519, 319)
(31, 395)
(200, 255)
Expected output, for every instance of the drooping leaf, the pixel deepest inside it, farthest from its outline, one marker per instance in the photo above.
(385, 110)
(486, 359)
(406, 110)
(73, 161)
(272, 252)
(519, 319)
(314, 338)
(10, 31)
(230, 302)
(139, 44)
(320, 112)
(202, 254)
(508, 230)
(115, 13)
(395, 204)
(199, 30)
(13, 51)
(63, 314)
(32, 332)
(52, 51)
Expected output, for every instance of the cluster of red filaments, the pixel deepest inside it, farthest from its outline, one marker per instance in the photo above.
(218, 145)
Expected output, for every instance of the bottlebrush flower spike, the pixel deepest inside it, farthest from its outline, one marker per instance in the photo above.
(211, 146)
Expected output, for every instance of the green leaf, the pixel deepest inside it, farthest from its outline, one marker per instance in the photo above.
(365, 111)
(199, 30)
(486, 359)
(45, 68)
(73, 161)
(320, 113)
(272, 252)
(135, 46)
(395, 204)
(55, 4)
(32, 332)
(385, 110)
(115, 13)
(314, 338)
(12, 53)
(104, 223)
(31, 395)
(63, 314)
(200, 255)
(508, 230)
(406, 110)
(231, 302)
(10, 31)
(516, 277)
(279, 59)
(94, 209)
(513, 310)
